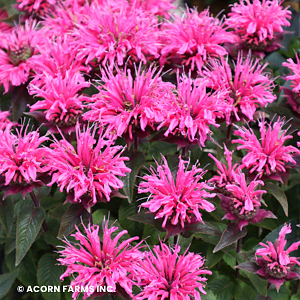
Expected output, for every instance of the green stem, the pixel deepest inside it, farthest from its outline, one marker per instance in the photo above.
(228, 136)
(296, 287)
(238, 250)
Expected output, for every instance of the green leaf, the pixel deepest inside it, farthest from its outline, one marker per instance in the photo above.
(137, 160)
(279, 194)
(208, 296)
(28, 226)
(205, 228)
(212, 258)
(7, 214)
(146, 218)
(243, 291)
(126, 210)
(6, 282)
(230, 235)
(48, 274)
(230, 259)
(260, 284)
(222, 287)
(73, 216)
(283, 293)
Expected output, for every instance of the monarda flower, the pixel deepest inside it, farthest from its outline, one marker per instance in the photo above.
(116, 36)
(89, 172)
(127, 103)
(259, 25)
(17, 49)
(193, 40)
(164, 274)
(4, 121)
(22, 160)
(35, 7)
(194, 110)
(95, 262)
(247, 86)
(267, 157)
(63, 103)
(242, 202)
(226, 172)
(275, 263)
(177, 201)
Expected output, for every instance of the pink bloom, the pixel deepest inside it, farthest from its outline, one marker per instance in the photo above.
(193, 111)
(242, 202)
(176, 201)
(4, 27)
(193, 40)
(127, 103)
(94, 262)
(266, 156)
(4, 121)
(166, 275)
(62, 102)
(18, 47)
(275, 262)
(22, 160)
(112, 36)
(36, 7)
(248, 87)
(158, 8)
(295, 75)
(226, 172)
(259, 25)
(89, 172)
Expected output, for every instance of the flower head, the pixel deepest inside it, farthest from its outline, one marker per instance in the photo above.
(127, 103)
(94, 262)
(36, 7)
(165, 274)
(158, 8)
(115, 36)
(242, 203)
(88, 173)
(247, 88)
(176, 201)
(62, 102)
(22, 160)
(17, 49)
(193, 40)
(275, 263)
(259, 25)
(266, 156)
(190, 115)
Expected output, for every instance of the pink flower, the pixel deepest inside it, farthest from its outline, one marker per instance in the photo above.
(295, 75)
(158, 8)
(94, 262)
(89, 172)
(248, 87)
(193, 111)
(242, 202)
(127, 103)
(62, 102)
(275, 262)
(176, 201)
(266, 156)
(22, 160)
(36, 7)
(4, 121)
(259, 25)
(226, 172)
(17, 49)
(114, 35)
(165, 274)
(193, 40)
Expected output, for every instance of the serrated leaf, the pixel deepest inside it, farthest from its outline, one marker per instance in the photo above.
(73, 216)
(205, 228)
(212, 258)
(208, 296)
(137, 160)
(230, 259)
(126, 210)
(146, 218)
(230, 235)
(48, 274)
(6, 281)
(243, 291)
(28, 226)
(260, 284)
(279, 194)
(222, 287)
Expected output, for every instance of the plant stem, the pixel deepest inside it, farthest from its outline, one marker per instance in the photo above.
(238, 250)
(136, 142)
(175, 239)
(184, 151)
(36, 203)
(228, 136)
(296, 287)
